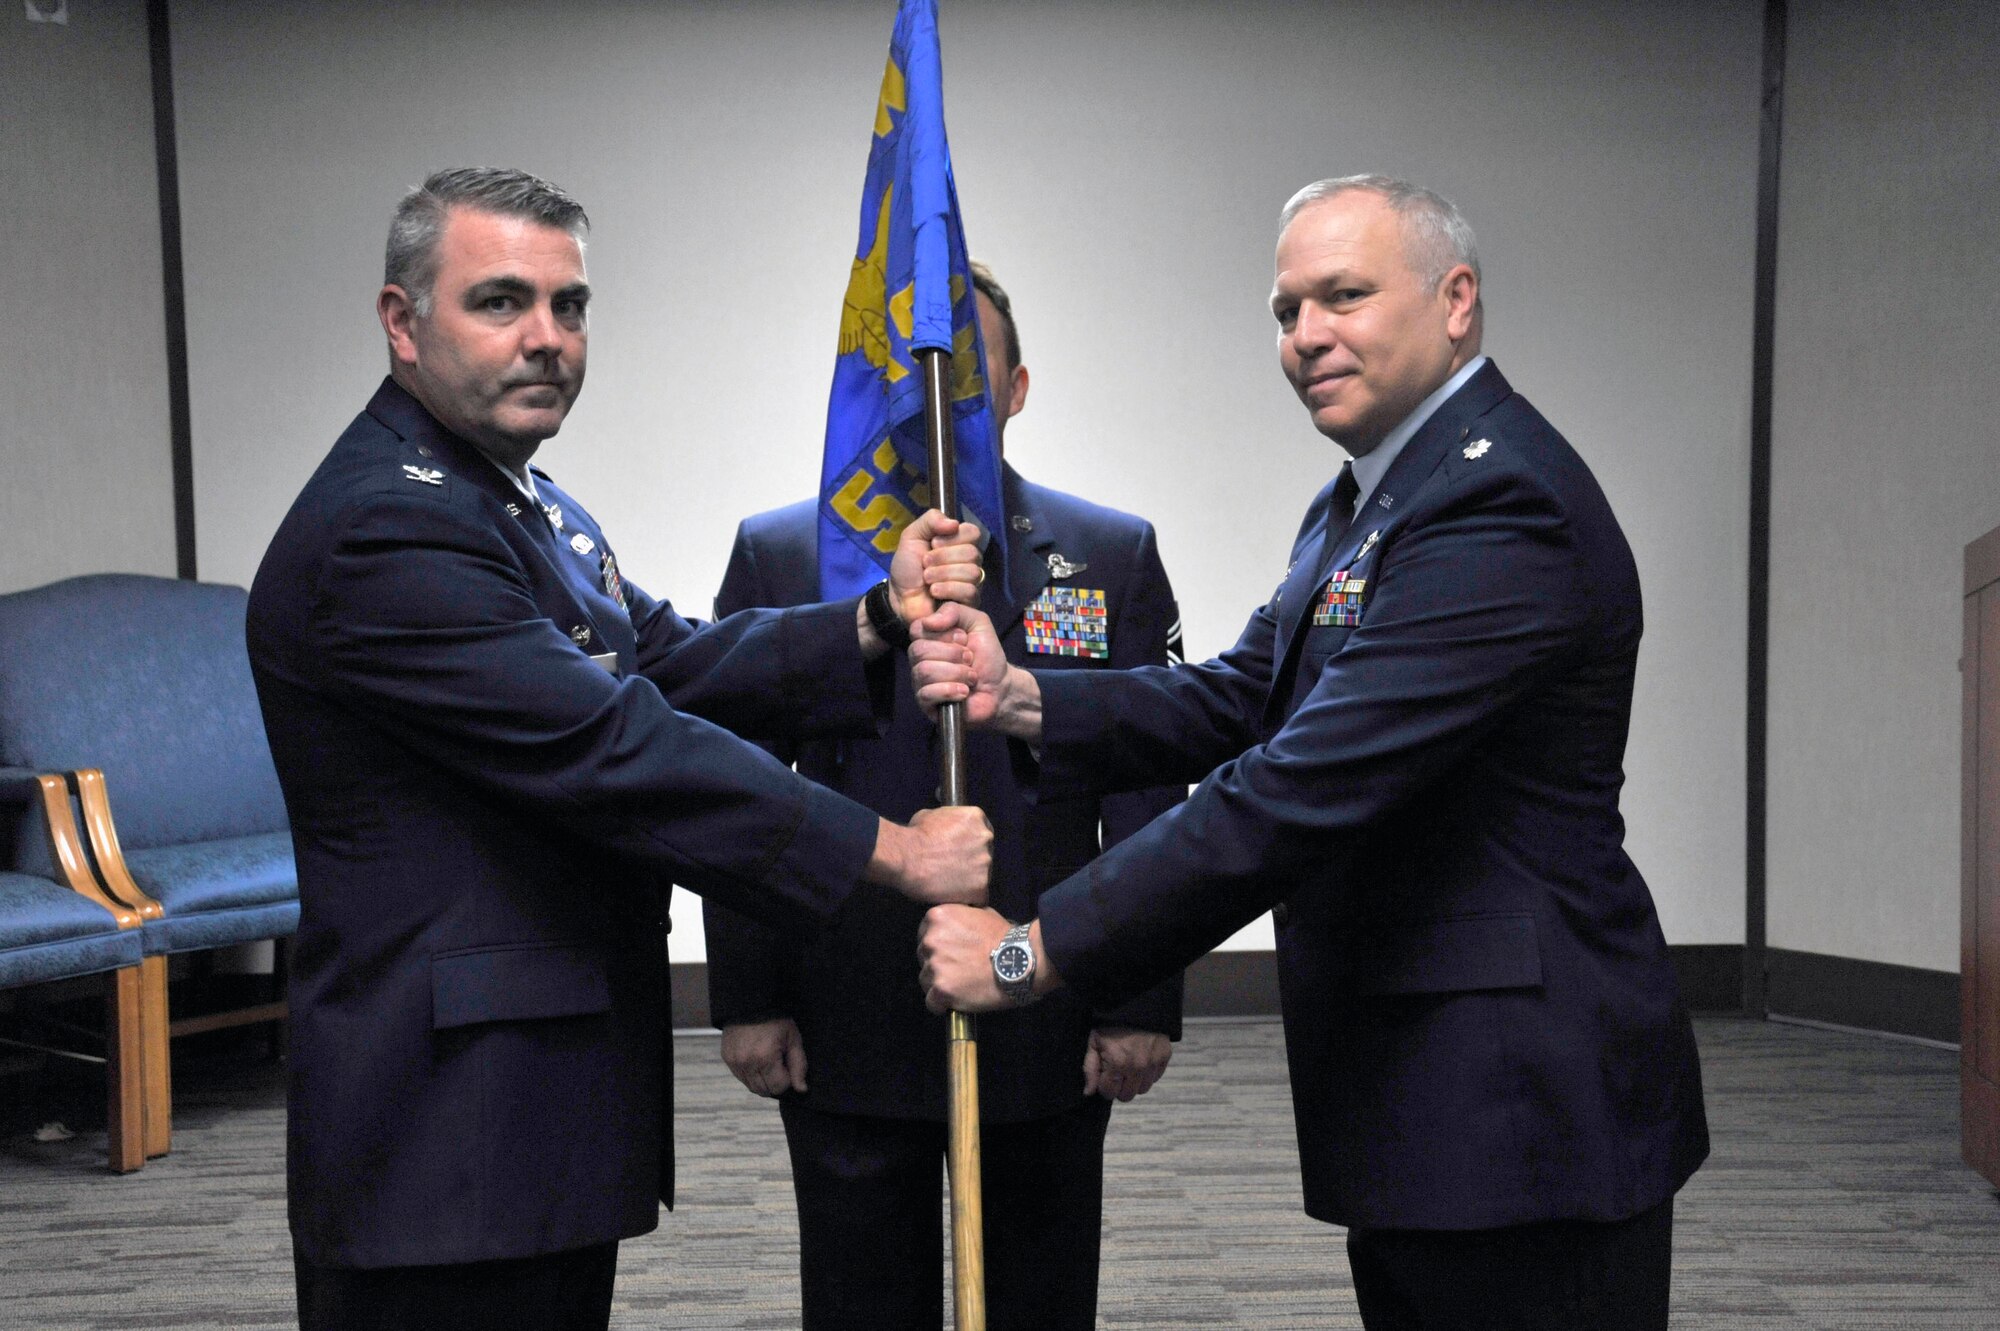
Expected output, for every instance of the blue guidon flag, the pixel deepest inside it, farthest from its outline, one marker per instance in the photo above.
(910, 291)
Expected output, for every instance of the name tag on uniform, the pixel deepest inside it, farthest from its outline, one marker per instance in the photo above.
(1341, 603)
(1068, 621)
(609, 660)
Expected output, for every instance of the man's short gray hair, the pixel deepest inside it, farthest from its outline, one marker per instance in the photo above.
(411, 261)
(1436, 236)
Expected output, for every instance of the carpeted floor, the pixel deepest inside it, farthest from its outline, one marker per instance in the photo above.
(1835, 1199)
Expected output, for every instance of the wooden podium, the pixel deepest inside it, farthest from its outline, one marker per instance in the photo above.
(1979, 921)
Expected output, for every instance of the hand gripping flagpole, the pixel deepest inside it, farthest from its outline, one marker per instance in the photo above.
(968, 1237)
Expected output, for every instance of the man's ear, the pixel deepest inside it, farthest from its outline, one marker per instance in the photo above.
(398, 314)
(1018, 381)
(1460, 290)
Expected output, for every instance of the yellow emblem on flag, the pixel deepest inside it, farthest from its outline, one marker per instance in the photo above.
(869, 309)
(884, 514)
(865, 312)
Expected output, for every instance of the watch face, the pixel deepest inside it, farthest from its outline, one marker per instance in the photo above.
(1011, 962)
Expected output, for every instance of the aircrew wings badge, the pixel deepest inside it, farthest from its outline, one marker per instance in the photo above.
(1068, 621)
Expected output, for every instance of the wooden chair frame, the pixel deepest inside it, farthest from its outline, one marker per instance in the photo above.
(158, 1029)
(124, 996)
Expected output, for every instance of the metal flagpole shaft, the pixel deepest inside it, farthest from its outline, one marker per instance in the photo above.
(968, 1234)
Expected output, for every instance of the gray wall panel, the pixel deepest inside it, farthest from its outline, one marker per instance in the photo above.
(1884, 465)
(84, 433)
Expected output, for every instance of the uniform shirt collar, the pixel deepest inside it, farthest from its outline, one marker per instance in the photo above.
(1372, 466)
(525, 482)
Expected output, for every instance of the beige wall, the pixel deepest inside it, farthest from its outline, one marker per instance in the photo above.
(84, 433)
(1885, 464)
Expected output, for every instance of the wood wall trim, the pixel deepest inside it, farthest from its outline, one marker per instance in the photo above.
(1757, 648)
(166, 161)
(1982, 563)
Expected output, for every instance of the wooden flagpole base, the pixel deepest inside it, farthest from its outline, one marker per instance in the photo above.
(968, 1241)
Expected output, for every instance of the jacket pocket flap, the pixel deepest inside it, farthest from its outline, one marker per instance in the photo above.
(519, 982)
(1450, 956)
(1323, 640)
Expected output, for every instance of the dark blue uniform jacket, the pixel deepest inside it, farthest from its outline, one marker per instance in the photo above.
(871, 1048)
(485, 821)
(1482, 1026)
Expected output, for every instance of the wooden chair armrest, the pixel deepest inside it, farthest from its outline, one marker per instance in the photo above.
(117, 878)
(67, 848)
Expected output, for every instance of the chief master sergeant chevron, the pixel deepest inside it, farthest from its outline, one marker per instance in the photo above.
(1414, 751)
(496, 752)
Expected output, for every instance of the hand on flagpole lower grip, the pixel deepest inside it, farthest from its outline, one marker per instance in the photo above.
(955, 959)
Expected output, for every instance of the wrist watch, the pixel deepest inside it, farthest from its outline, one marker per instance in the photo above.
(882, 617)
(1014, 966)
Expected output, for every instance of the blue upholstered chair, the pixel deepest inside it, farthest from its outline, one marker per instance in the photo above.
(141, 687)
(57, 923)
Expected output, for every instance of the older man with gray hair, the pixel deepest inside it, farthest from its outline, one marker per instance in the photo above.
(1412, 757)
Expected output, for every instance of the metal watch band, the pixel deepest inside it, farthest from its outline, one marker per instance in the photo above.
(1021, 989)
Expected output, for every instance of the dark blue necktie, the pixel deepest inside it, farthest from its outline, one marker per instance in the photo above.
(1340, 509)
(1333, 513)
(1339, 517)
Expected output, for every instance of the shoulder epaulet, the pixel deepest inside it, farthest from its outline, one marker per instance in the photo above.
(423, 475)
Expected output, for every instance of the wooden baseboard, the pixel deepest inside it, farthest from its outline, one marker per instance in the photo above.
(1233, 984)
(690, 992)
(1869, 995)
(1710, 975)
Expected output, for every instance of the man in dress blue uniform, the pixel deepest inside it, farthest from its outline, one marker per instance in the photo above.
(1412, 756)
(496, 752)
(832, 1025)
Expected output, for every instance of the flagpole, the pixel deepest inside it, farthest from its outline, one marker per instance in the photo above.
(968, 1238)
